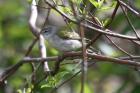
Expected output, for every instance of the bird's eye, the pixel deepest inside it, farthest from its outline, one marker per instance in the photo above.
(47, 30)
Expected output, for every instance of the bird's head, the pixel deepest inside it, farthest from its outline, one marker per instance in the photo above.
(49, 31)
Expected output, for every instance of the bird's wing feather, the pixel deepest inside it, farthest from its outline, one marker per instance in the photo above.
(67, 34)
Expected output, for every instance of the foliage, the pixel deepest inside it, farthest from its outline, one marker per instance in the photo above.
(103, 77)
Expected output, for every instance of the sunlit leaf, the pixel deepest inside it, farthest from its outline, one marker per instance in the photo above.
(97, 4)
(19, 91)
(46, 86)
(87, 88)
(29, 1)
(29, 90)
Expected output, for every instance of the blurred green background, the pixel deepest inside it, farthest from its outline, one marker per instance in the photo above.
(15, 38)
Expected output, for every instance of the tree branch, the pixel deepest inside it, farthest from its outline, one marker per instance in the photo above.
(134, 11)
(10, 71)
(95, 27)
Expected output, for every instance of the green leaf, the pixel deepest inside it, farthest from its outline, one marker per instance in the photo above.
(19, 91)
(106, 21)
(46, 86)
(113, 5)
(97, 19)
(29, 90)
(97, 4)
(54, 51)
(66, 10)
(53, 81)
(29, 1)
(87, 88)
(60, 75)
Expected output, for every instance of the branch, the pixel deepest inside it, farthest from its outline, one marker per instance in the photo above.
(128, 58)
(42, 49)
(10, 71)
(113, 15)
(95, 27)
(53, 90)
(70, 78)
(130, 23)
(84, 59)
(79, 55)
(119, 48)
(36, 31)
(32, 19)
(93, 40)
(134, 11)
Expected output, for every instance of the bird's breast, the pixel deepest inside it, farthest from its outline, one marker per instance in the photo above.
(64, 44)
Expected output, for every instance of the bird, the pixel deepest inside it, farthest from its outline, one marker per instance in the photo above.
(62, 38)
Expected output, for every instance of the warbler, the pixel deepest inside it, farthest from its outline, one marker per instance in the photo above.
(62, 38)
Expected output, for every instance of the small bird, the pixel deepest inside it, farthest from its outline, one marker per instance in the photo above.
(62, 39)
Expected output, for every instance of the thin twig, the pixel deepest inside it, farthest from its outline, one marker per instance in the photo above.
(42, 49)
(32, 19)
(73, 76)
(84, 57)
(128, 58)
(135, 42)
(34, 30)
(69, 79)
(112, 16)
(93, 40)
(100, 29)
(134, 11)
(106, 26)
(10, 71)
(129, 22)
(131, 25)
(122, 50)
